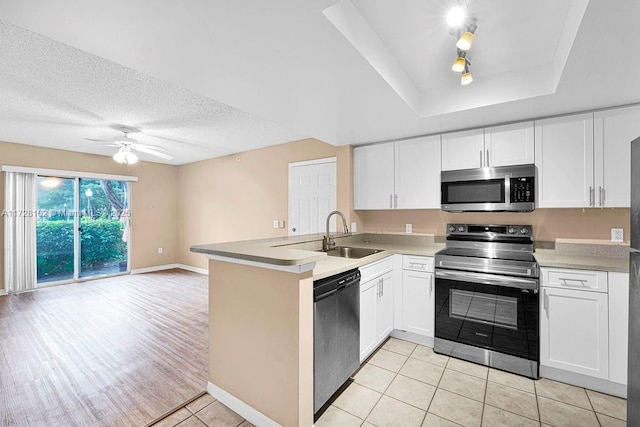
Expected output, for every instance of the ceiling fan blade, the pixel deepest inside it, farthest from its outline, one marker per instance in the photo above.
(93, 145)
(153, 153)
(178, 141)
(150, 147)
(99, 140)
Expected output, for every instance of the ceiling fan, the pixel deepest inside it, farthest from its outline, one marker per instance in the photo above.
(127, 145)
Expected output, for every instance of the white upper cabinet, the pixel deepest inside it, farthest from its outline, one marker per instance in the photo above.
(373, 176)
(613, 132)
(417, 173)
(397, 175)
(564, 158)
(463, 150)
(495, 146)
(509, 145)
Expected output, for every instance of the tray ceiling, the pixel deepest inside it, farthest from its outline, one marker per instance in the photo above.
(219, 77)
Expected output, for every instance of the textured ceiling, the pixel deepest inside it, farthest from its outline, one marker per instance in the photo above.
(55, 95)
(161, 65)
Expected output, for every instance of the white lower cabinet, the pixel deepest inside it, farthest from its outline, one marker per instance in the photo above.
(376, 305)
(574, 331)
(583, 321)
(618, 326)
(418, 296)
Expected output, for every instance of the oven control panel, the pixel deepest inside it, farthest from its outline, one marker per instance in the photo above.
(504, 230)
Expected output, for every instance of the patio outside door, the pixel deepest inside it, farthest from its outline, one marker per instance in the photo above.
(82, 228)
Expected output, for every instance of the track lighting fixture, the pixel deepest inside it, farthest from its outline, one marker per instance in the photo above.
(460, 63)
(458, 18)
(466, 76)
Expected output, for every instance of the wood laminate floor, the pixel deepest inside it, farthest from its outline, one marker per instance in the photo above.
(116, 351)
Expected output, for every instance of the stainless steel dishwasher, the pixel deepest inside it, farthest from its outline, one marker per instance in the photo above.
(336, 333)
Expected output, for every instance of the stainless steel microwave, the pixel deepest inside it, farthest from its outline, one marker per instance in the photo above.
(498, 189)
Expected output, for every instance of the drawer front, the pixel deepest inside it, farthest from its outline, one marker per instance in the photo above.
(375, 269)
(418, 263)
(585, 280)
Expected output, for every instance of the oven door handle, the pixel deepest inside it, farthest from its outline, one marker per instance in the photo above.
(488, 279)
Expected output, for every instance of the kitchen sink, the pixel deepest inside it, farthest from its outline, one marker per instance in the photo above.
(349, 252)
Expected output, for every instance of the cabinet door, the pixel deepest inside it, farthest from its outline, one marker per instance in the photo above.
(613, 132)
(564, 157)
(373, 170)
(574, 331)
(384, 314)
(368, 307)
(618, 326)
(509, 145)
(418, 302)
(463, 150)
(417, 173)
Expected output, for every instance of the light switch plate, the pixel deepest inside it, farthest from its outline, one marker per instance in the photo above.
(408, 228)
(354, 227)
(617, 235)
(275, 223)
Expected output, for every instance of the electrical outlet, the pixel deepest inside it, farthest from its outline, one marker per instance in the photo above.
(160, 250)
(281, 224)
(354, 227)
(408, 228)
(617, 235)
(276, 223)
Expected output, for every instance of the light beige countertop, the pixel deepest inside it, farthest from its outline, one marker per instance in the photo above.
(290, 251)
(551, 258)
(585, 255)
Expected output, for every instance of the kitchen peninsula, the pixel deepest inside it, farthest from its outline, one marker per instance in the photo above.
(261, 319)
(261, 312)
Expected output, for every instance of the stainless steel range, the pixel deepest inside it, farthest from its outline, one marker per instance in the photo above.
(487, 297)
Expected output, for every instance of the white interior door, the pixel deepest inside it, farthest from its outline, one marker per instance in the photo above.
(312, 195)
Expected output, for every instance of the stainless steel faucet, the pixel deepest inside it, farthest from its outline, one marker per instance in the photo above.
(327, 241)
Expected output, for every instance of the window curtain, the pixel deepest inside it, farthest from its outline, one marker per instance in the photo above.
(20, 231)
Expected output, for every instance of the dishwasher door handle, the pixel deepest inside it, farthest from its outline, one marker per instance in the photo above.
(327, 294)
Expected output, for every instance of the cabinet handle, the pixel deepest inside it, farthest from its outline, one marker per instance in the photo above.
(583, 282)
(381, 287)
(600, 191)
(590, 196)
(416, 265)
(431, 288)
(545, 302)
(603, 196)
(481, 158)
(391, 201)
(395, 196)
(487, 156)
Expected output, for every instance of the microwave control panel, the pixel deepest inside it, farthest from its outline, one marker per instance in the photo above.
(522, 190)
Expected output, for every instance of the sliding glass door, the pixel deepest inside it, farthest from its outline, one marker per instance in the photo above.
(55, 229)
(82, 228)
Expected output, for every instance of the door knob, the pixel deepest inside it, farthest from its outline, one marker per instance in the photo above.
(293, 229)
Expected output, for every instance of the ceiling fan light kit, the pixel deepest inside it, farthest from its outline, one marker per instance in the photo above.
(125, 156)
(465, 34)
(127, 145)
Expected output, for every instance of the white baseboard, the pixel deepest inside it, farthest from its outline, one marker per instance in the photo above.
(154, 268)
(413, 337)
(194, 269)
(247, 412)
(585, 381)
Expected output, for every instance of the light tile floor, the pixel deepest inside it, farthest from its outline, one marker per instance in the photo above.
(204, 411)
(404, 384)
